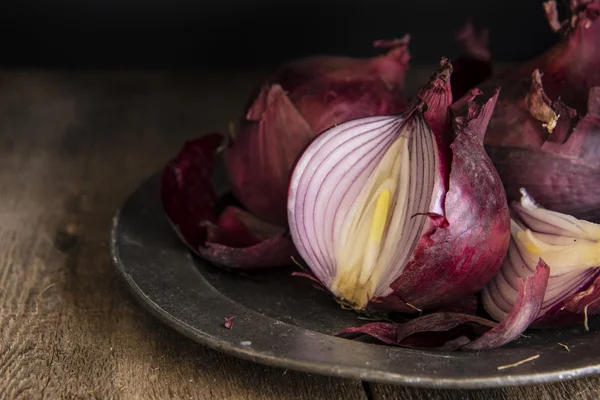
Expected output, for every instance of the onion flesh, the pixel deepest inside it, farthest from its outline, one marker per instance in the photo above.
(459, 331)
(389, 210)
(296, 103)
(571, 249)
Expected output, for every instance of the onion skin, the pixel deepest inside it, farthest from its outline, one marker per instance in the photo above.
(558, 165)
(260, 158)
(296, 103)
(563, 176)
(466, 246)
(451, 329)
(525, 310)
(570, 68)
(573, 310)
(233, 239)
(466, 232)
(440, 331)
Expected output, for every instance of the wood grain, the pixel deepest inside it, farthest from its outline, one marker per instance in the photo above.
(579, 389)
(73, 145)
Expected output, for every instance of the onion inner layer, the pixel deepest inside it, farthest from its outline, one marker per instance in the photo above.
(384, 223)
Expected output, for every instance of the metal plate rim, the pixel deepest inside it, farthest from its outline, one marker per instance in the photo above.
(364, 373)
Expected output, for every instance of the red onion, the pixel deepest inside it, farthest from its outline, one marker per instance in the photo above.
(405, 211)
(535, 139)
(300, 100)
(570, 68)
(233, 238)
(570, 247)
(454, 331)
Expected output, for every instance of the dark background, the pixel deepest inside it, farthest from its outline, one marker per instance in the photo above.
(186, 33)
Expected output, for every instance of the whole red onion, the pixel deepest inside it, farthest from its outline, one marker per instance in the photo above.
(545, 132)
(402, 212)
(298, 101)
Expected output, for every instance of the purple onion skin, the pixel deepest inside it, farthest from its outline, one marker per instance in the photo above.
(187, 193)
(562, 176)
(296, 103)
(572, 311)
(570, 68)
(260, 158)
(233, 239)
(465, 247)
(457, 331)
(330, 90)
(559, 169)
(525, 310)
(444, 331)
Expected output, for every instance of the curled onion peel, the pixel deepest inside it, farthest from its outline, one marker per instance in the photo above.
(232, 238)
(570, 247)
(406, 211)
(458, 331)
(297, 102)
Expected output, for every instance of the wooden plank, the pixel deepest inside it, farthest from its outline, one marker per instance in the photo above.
(72, 147)
(584, 389)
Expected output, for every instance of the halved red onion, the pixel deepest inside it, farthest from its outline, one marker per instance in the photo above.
(407, 210)
(570, 247)
(297, 102)
(233, 239)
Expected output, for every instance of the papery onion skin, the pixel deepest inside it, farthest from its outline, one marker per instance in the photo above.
(234, 239)
(466, 232)
(525, 310)
(574, 310)
(458, 331)
(545, 132)
(440, 331)
(570, 68)
(563, 174)
(461, 255)
(297, 102)
(570, 295)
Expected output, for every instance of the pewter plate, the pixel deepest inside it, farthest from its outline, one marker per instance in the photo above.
(283, 321)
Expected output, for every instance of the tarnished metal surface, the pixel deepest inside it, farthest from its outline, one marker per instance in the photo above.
(283, 321)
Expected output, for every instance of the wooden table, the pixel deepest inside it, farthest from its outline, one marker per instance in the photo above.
(73, 145)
